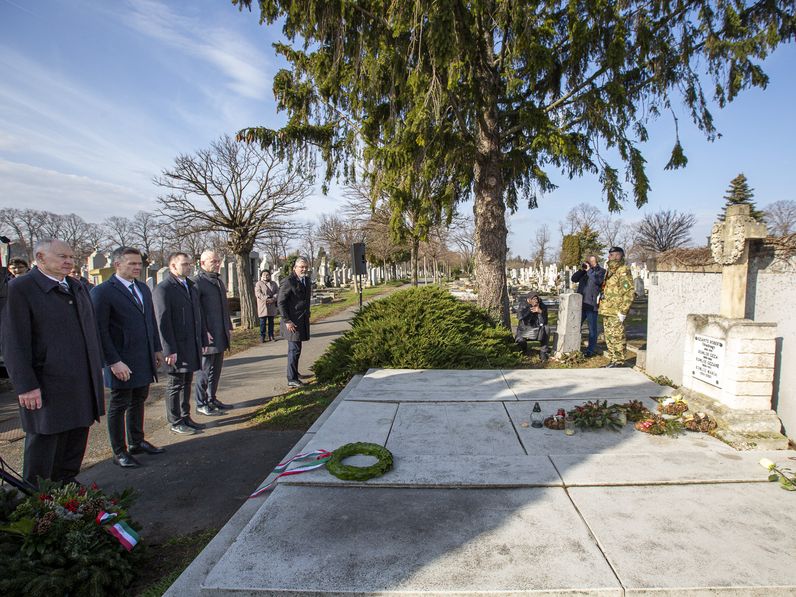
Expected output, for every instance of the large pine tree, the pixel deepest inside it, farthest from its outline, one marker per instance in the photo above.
(740, 193)
(496, 93)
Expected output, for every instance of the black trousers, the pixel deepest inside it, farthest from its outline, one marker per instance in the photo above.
(178, 397)
(207, 378)
(54, 456)
(293, 355)
(126, 409)
(267, 327)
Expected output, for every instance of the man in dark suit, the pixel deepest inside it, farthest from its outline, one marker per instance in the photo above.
(53, 357)
(179, 321)
(132, 351)
(294, 311)
(218, 324)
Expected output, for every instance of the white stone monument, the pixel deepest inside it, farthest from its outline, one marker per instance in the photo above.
(727, 357)
(569, 323)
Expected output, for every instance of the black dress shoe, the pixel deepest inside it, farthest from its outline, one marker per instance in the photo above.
(124, 460)
(219, 404)
(193, 424)
(145, 447)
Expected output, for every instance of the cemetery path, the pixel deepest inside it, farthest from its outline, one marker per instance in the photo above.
(201, 480)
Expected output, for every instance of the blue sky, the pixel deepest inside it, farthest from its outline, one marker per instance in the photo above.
(98, 97)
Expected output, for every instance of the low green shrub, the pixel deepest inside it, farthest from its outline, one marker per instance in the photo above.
(419, 328)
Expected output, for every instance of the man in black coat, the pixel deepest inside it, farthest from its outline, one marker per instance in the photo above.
(218, 324)
(293, 303)
(132, 351)
(53, 357)
(179, 321)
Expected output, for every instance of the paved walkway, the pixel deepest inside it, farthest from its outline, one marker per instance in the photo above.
(202, 479)
(479, 502)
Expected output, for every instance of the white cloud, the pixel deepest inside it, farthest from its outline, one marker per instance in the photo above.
(59, 192)
(239, 61)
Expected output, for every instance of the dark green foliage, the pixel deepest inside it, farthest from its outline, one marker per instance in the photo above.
(570, 250)
(349, 472)
(740, 193)
(50, 544)
(421, 328)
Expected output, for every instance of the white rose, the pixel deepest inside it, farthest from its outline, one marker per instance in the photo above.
(767, 464)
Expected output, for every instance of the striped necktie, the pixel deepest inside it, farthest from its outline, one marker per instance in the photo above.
(65, 286)
(137, 300)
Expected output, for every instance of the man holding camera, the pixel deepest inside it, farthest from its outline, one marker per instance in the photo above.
(590, 279)
(617, 297)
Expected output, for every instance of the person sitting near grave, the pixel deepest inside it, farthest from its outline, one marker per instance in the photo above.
(18, 267)
(532, 316)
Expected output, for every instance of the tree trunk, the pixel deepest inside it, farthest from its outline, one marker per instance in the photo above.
(490, 223)
(248, 303)
(413, 259)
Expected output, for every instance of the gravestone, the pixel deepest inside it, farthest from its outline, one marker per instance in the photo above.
(730, 359)
(569, 323)
(638, 287)
(97, 260)
(161, 275)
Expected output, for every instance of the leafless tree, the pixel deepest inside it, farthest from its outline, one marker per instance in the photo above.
(339, 234)
(781, 217)
(577, 218)
(664, 230)
(25, 226)
(462, 236)
(77, 233)
(309, 242)
(118, 231)
(541, 244)
(144, 228)
(237, 189)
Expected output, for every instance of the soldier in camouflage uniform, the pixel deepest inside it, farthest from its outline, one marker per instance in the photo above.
(617, 297)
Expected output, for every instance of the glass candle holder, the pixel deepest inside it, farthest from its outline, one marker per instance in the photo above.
(569, 426)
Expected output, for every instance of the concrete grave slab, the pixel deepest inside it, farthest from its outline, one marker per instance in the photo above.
(354, 422)
(432, 385)
(453, 429)
(672, 540)
(627, 440)
(333, 541)
(703, 466)
(582, 384)
(414, 470)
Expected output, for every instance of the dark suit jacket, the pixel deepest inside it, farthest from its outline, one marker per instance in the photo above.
(215, 310)
(179, 321)
(294, 306)
(50, 342)
(127, 333)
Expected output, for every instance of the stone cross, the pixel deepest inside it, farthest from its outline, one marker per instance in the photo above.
(729, 244)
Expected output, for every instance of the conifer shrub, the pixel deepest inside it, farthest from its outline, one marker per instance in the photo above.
(420, 328)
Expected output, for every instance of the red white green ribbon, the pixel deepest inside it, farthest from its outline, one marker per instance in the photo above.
(121, 530)
(318, 459)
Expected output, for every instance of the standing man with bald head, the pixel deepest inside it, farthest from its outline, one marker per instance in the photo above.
(54, 359)
(215, 314)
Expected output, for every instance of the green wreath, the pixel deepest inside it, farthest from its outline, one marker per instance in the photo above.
(359, 473)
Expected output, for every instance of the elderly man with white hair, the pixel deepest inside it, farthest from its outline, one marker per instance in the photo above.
(218, 323)
(54, 359)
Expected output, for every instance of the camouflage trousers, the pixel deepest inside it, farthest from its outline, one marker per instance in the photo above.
(615, 340)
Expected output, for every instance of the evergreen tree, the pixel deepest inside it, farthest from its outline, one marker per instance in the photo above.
(740, 193)
(570, 250)
(496, 93)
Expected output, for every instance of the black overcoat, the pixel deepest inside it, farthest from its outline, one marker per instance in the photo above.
(50, 342)
(215, 310)
(127, 332)
(294, 306)
(179, 321)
